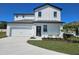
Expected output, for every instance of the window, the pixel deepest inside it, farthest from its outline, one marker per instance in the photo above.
(45, 28)
(55, 14)
(39, 14)
(16, 16)
(23, 16)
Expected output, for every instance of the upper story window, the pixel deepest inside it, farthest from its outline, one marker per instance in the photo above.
(23, 16)
(45, 28)
(16, 16)
(39, 14)
(55, 14)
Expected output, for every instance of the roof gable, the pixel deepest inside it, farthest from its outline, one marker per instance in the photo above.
(47, 5)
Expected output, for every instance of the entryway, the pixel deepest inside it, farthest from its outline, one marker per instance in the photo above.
(38, 30)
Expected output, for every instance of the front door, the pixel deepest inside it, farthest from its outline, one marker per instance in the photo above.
(38, 30)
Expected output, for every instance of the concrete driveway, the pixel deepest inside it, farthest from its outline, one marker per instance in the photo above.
(18, 46)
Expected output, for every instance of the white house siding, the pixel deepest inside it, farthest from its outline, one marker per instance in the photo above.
(26, 17)
(20, 30)
(48, 14)
(30, 29)
(8, 30)
(53, 29)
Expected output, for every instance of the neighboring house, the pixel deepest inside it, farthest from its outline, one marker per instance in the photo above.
(44, 22)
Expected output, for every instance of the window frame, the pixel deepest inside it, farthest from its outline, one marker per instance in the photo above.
(16, 16)
(39, 14)
(23, 16)
(44, 28)
(55, 14)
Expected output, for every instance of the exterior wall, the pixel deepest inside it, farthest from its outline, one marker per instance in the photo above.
(26, 17)
(8, 30)
(11, 26)
(48, 14)
(53, 29)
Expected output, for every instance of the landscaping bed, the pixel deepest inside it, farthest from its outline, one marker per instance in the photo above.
(72, 39)
(57, 45)
(52, 38)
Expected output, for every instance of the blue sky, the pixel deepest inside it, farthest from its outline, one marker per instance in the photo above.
(70, 11)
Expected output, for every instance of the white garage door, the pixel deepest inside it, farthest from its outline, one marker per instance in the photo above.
(20, 31)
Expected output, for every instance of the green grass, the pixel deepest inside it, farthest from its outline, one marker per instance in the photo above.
(59, 46)
(2, 34)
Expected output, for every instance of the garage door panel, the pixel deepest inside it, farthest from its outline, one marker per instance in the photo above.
(19, 31)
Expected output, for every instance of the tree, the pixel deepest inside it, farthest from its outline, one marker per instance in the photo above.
(3, 25)
(73, 26)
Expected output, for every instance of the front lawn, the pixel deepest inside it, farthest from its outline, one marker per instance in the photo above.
(2, 34)
(60, 46)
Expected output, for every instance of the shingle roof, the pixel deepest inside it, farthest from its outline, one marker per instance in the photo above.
(48, 22)
(23, 13)
(31, 21)
(24, 21)
(49, 5)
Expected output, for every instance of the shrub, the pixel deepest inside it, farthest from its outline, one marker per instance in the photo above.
(74, 38)
(32, 38)
(51, 38)
(67, 35)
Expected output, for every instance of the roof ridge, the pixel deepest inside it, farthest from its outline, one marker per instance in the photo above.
(47, 4)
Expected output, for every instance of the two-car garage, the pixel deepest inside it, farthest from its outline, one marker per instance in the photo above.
(20, 30)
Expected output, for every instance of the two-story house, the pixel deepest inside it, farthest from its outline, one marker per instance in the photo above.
(44, 22)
